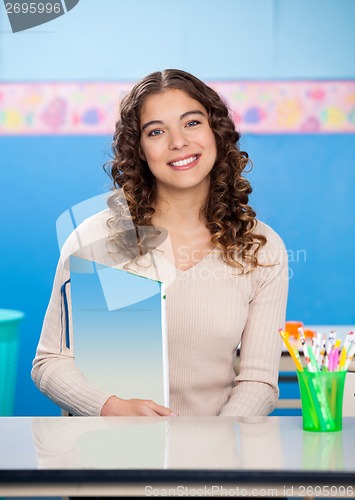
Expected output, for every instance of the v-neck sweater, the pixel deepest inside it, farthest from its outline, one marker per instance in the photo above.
(211, 308)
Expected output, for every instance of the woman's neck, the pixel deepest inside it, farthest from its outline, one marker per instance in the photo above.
(174, 208)
(176, 211)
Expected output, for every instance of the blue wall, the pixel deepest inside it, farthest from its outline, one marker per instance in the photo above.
(41, 177)
(303, 184)
(119, 40)
(304, 187)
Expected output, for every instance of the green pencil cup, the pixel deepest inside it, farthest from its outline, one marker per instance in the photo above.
(322, 400)
(9, 340)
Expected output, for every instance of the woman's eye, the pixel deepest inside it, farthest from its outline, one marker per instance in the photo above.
(193, 123)
(155, 132)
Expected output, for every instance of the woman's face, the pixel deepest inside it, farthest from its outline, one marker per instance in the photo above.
(176, 140)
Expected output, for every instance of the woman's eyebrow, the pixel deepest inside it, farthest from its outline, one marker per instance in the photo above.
(153, 122)
(184, 115)
(193, 112)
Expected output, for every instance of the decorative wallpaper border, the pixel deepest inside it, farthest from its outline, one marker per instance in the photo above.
(258, 107)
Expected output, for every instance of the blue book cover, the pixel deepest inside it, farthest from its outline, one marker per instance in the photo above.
(119, 331)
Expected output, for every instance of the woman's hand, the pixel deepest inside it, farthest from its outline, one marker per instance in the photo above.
(115, 406)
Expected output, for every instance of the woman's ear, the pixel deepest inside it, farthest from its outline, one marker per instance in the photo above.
(141, 154)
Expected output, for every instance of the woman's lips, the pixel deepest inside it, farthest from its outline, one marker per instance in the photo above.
(186, 163)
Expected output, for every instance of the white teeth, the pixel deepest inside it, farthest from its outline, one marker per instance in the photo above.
(183, 162)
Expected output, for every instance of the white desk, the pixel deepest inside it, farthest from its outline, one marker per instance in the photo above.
(266, 456)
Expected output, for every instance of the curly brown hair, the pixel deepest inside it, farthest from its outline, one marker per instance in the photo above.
(226, 212)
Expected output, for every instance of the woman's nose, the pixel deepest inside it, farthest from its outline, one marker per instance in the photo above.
(178, 140)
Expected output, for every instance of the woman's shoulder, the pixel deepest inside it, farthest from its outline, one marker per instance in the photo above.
(95, 224)
(267, 231)
(274, 249)
(89, 234)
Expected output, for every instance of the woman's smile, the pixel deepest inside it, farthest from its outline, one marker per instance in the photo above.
(185, 163)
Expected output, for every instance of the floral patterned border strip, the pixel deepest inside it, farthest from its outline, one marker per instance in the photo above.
(259, 107)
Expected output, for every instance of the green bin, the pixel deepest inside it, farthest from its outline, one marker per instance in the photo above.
(322, 400)
(9, 340)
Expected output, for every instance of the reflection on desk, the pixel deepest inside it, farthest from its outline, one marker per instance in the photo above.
(84, 451)
(176, 443)
(172, 443)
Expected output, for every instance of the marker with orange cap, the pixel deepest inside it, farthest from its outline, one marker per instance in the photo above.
(291, 351)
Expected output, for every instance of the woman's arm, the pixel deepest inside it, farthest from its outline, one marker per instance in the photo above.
(54, 370)
(256, 386)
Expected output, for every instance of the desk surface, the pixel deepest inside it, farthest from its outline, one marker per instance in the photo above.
(89, 455)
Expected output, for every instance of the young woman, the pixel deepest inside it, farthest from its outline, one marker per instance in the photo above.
(178, 162)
